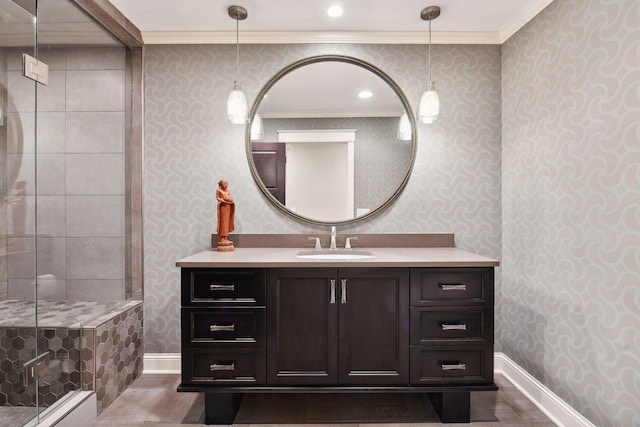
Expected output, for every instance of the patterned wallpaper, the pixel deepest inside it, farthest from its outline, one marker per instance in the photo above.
(189, 146)
(570, 292)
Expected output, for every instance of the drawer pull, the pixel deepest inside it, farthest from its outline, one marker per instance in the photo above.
(454, 327)
(223, 367)
(228, 288)
(332, 298)
(453, 286)
(223, 328)
(453, 366)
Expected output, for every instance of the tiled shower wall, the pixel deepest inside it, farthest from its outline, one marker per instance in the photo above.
(80, 175)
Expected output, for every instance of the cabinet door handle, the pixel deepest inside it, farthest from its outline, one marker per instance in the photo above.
(453, 326)
(453, 366)
(332, 298)
(223, 367)
(223, 328)
(214, 287)
(453, 286)
(343, 291)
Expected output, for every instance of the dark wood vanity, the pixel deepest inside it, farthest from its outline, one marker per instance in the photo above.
(414, 320)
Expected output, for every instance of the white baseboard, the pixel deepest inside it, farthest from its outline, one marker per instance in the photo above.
(555, 408)
(548, 402)
(161, 363)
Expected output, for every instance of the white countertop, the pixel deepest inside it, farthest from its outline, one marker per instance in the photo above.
(384, 257)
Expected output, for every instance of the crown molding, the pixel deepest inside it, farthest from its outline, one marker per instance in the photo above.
(534, 7)
(287, 37)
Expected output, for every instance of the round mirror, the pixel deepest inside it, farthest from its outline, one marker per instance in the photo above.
(329, 140)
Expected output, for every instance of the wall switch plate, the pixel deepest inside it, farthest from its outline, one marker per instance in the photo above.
(35, 70)
(36, 368)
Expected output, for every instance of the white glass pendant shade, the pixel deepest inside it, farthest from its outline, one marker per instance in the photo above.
(257, 131)
(429, 105)
(404, 128)
(237, 105)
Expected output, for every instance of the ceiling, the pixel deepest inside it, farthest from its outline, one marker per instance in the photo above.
(299, 21)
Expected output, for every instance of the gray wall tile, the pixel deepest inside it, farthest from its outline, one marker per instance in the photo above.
(21, 134)
(100, 216)
(95, 58)
(22, 92)
(80, 142)
(55, 58)
(29, 221)
(51, 256)
(95, 258)
(51, 174)
(21, 289)
(95, 90)
(95, 132)
(21, 264)
(51, 216)
(95, 174)
(51, 132)
(95, 290)
(27, 171)
(52, 96)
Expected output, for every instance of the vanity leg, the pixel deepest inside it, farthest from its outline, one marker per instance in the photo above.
(221, 408)
(452, 407)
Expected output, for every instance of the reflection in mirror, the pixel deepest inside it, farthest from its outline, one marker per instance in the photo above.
(322, 149)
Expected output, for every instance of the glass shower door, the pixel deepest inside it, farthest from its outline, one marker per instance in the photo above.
(18, 297)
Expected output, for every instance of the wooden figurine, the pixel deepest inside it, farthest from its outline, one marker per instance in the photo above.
(226, 210)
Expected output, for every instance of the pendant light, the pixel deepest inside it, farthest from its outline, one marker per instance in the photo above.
(404, 128)
(257, 131)
(430, 102)
(237, 102)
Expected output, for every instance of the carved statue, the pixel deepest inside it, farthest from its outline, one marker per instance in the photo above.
(226, 210)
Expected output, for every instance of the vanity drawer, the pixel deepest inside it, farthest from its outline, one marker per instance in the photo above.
(236, 366)
(451, 325)
(452, 286)
(446, 365)
(223, 287)
(232, 326)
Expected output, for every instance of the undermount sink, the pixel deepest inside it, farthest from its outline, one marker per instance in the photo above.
(345, 254)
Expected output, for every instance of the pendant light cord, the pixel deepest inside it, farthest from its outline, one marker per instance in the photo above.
(237, 47)
(430, 52)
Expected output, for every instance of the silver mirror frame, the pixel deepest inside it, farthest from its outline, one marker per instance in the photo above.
(330, 58)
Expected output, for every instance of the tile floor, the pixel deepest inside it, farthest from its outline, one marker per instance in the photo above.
(152, 400)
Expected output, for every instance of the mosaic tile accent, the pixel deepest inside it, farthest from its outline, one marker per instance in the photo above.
(112, 353)
(18, 346)
(108, 349)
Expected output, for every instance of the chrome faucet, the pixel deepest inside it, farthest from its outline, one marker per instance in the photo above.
(333, 247)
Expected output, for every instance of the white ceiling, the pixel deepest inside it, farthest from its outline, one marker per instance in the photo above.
(306, 21)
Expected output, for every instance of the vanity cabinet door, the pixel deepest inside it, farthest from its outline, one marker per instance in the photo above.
(302, 315)
(373, 326)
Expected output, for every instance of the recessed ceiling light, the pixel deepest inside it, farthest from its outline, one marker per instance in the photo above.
(335, 11)
(365, 94)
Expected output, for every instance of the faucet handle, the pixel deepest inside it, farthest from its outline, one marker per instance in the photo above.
(317, 245)
(347, 244)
